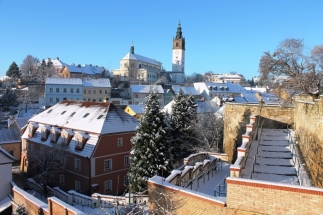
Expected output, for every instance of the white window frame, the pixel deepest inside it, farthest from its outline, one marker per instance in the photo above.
(77, 186)
(107, 164)
(61, 179)
(127, 160)
(108, 186)
(120, 142)
(77, 164)
(51, 90)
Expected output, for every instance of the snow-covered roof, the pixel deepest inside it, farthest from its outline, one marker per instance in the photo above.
(130, 56)
(258, 89)
(56, 62)
(9, 136)
(22, 122)
(70, 81)
(79, 117)
(202, 107)
(84, 68)
(146, 88)
(100, 118)
(270, 98)
(250, 96)
(137, 108)
(186, 90)
(216, 87)
(100, 82)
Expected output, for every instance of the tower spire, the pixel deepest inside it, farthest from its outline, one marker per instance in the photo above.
(179, 31)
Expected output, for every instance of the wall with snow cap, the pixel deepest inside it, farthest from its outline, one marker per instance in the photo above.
(237, 116)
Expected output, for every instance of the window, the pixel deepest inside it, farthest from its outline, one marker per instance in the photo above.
(88, 99)
(51, 90)
(120, 142)
(100, 91)
(89, 91)
(77, 90)
(57, 90)
(99, 117)
(105, 91)
(108, 164)
(126, 180)
(64, 90)
(63, 112)
(94, 100)
(136, 95)
(107, 186)
(100, 100)
(64, 98)
(85, 115)
(73, 114)
(51, 99)
(57, 99)
(94, 91)
(127, 160)
(61, 179)
(77, 186)
(77, 164)
(84, 91)
(84, 99)
(10, 152)
(72, 90)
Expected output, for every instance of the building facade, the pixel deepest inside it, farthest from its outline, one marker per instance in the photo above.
(139, 93)
(81, 71)
(59, 89)
(97, 90)
(137, 67)
(97, 137)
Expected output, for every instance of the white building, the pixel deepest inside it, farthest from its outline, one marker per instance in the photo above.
(178, 57)
(139, 93)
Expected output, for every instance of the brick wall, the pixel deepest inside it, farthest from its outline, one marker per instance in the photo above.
(244, 196)
(272, 198)
(309, 126)
(237, 117)
(182, 202)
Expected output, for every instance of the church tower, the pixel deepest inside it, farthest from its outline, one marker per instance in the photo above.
(178, 60)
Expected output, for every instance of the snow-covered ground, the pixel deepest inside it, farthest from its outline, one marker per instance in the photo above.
(207, 184)
(271, 158)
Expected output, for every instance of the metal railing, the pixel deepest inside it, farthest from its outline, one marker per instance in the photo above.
(221, 188)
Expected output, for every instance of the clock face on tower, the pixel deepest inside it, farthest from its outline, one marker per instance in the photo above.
(176, 52)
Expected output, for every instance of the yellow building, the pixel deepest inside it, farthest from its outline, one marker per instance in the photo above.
(137, 67)
(97, 90)
(80, 71)
(135, 110)
(10, 141)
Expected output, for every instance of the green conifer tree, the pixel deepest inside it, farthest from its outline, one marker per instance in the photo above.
(183, 112)
(150, 154)
(13, 71)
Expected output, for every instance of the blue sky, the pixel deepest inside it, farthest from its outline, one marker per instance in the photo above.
(221, 36)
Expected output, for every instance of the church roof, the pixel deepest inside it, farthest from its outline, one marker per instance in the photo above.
(131, 56)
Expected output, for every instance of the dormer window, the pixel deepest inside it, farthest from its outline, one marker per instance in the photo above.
(45, 130)
(54, 134)
(66, 136)
(32, 127)
(80, 140)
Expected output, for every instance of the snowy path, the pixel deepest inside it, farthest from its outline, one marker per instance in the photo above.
(273, 158)
(210, 184)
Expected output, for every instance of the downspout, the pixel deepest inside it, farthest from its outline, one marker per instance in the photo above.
(89, 160)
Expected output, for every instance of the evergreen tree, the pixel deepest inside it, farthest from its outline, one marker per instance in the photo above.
(150, 154)
(13, 71)
(183, 112)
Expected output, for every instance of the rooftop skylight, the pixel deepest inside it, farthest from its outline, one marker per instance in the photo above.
(86, 115)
